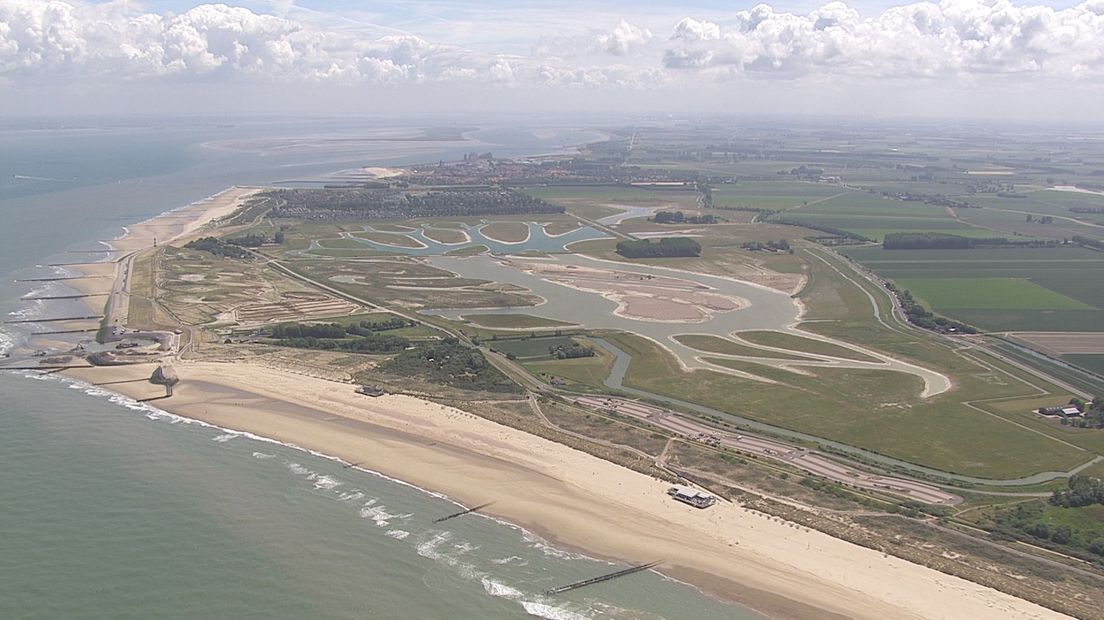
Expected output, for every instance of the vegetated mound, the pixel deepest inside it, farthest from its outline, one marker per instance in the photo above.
(448, 362)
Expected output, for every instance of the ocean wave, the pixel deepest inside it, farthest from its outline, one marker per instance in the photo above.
(225, 437)
(350, 496)
(325, 482)
(431, 549)
(263, 455)
(299, 470)
(428, 549)
(7, 342)
(536, 542)
(551, 612)
(520, 561)
(533, 606)
(378, 513)
(499, 589)
(34, 309)
(398, 534)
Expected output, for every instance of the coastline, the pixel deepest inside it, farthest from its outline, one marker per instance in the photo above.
(568, 497)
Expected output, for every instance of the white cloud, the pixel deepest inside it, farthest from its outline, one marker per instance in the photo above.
(624, 39)
(75, 39)
(949, 38)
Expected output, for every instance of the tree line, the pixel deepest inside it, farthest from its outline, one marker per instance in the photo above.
(678, 217)
(919, 316)
(667, 246)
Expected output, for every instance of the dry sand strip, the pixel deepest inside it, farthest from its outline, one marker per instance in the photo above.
(574, 499)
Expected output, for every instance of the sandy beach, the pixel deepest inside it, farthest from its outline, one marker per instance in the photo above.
(174, 226)
(571, 498)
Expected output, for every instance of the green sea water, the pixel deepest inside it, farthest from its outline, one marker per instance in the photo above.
(114, 509)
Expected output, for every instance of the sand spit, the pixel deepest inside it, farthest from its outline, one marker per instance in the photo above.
(573, 498)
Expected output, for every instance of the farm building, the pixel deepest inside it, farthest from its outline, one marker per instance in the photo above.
(1062, 411)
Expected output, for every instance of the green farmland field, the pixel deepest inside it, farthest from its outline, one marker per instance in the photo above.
(1003, 289)
(530, 347)
(771, 195)
(1094, 363)
(989, 293)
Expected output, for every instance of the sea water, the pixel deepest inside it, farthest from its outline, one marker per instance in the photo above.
(112, 508)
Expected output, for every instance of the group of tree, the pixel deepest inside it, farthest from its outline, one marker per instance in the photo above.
(926, 241)
(218, 247)
(665, 247)
(1035, 521)
(831, 230)
(449, 362)
(1080, 491)
(360, 203)
(1045, 219)
(252, 240)
(572, 351)
(367, 328)
(678, 217)
(921, 317)
(773, 246)
(337, 330)
(1089, 243)
(1092, 414)
(376, 343)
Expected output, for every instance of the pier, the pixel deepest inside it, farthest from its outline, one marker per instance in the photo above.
(96, 317)
(67, 331)
(599, 579)
(75, 264)
(66, 297)
(60, 278)
(463, 512)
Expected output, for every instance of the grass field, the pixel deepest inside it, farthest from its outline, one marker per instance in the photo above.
(560, 227)
(713, 344)
(799, 344)
(876, 410)
(402, 241)
(1094, 363)
(593, 201)
(531, 347)
(513, 321)
(874, 216)
(1071, 280)
(444, 235)
(586, 372)
(947, 294)
(773, 195)
(389, 281)
(468, 250)
(510, 232)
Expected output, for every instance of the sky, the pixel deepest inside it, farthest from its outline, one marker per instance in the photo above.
(866, 58)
